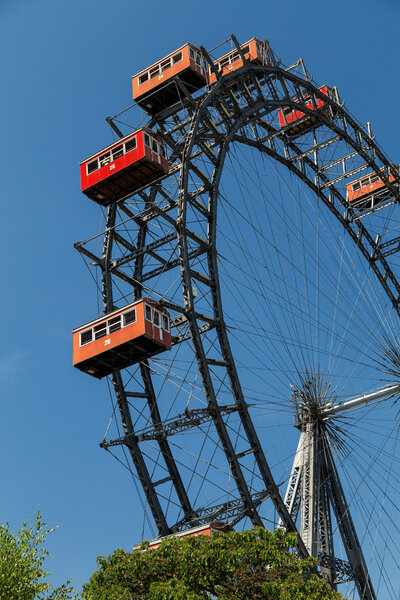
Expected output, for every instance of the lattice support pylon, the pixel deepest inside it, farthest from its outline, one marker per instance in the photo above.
(314, 489)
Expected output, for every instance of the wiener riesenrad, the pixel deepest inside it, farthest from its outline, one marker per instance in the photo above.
(249, 279)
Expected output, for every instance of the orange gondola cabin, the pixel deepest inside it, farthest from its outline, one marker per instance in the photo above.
(122, 338)
(369, 189)
(254, 51)
(124, 167)
(155, 87)
(300, 122)
(208, 530)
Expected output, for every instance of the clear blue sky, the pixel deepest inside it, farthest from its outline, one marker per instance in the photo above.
(65, 67)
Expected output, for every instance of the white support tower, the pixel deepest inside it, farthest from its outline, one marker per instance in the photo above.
(314, 489)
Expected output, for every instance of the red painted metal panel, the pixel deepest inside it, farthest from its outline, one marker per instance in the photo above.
(141, 327)
(295, 115)
(231, 61)
(207, 530)
(159, 73)
(112, 167)
(366, 187)
(117, 171)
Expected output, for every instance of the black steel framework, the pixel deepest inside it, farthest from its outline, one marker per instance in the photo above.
(182, 207)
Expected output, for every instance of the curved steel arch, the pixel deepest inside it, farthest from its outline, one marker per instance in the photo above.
(371, 251)
(362, 579)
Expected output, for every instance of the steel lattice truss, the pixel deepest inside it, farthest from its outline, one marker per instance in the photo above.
(164, 241)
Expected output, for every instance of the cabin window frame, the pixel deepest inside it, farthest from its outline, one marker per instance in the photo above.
(232, 57)
(100, 328)
(165, 64)
(165, 322)
(365, 181)
(114, 321)
(106, 327)
(224, 62)
(154, 71)
(131, 140)
(110, 153)
(82, 333)
(177, 58)
(196, 57)
(129, 312)
(103, 162)
(117, 149)
(143, 77)
(94, 161)
(107, 158)
(147, 308)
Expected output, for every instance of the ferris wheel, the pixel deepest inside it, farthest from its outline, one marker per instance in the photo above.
(249, 282)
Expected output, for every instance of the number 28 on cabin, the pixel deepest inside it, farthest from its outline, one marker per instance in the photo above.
(122, 338)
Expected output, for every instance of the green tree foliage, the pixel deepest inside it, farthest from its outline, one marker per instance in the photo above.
(22, 557)
(253, 565)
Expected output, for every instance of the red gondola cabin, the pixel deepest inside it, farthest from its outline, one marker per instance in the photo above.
(122, 338)
(361, 190)
(300, 122)
(124, 167)
(155, 87)
(254, 51)
(209, 529)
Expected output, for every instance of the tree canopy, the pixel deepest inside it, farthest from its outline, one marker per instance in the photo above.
(253, 565)
(22, 557)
